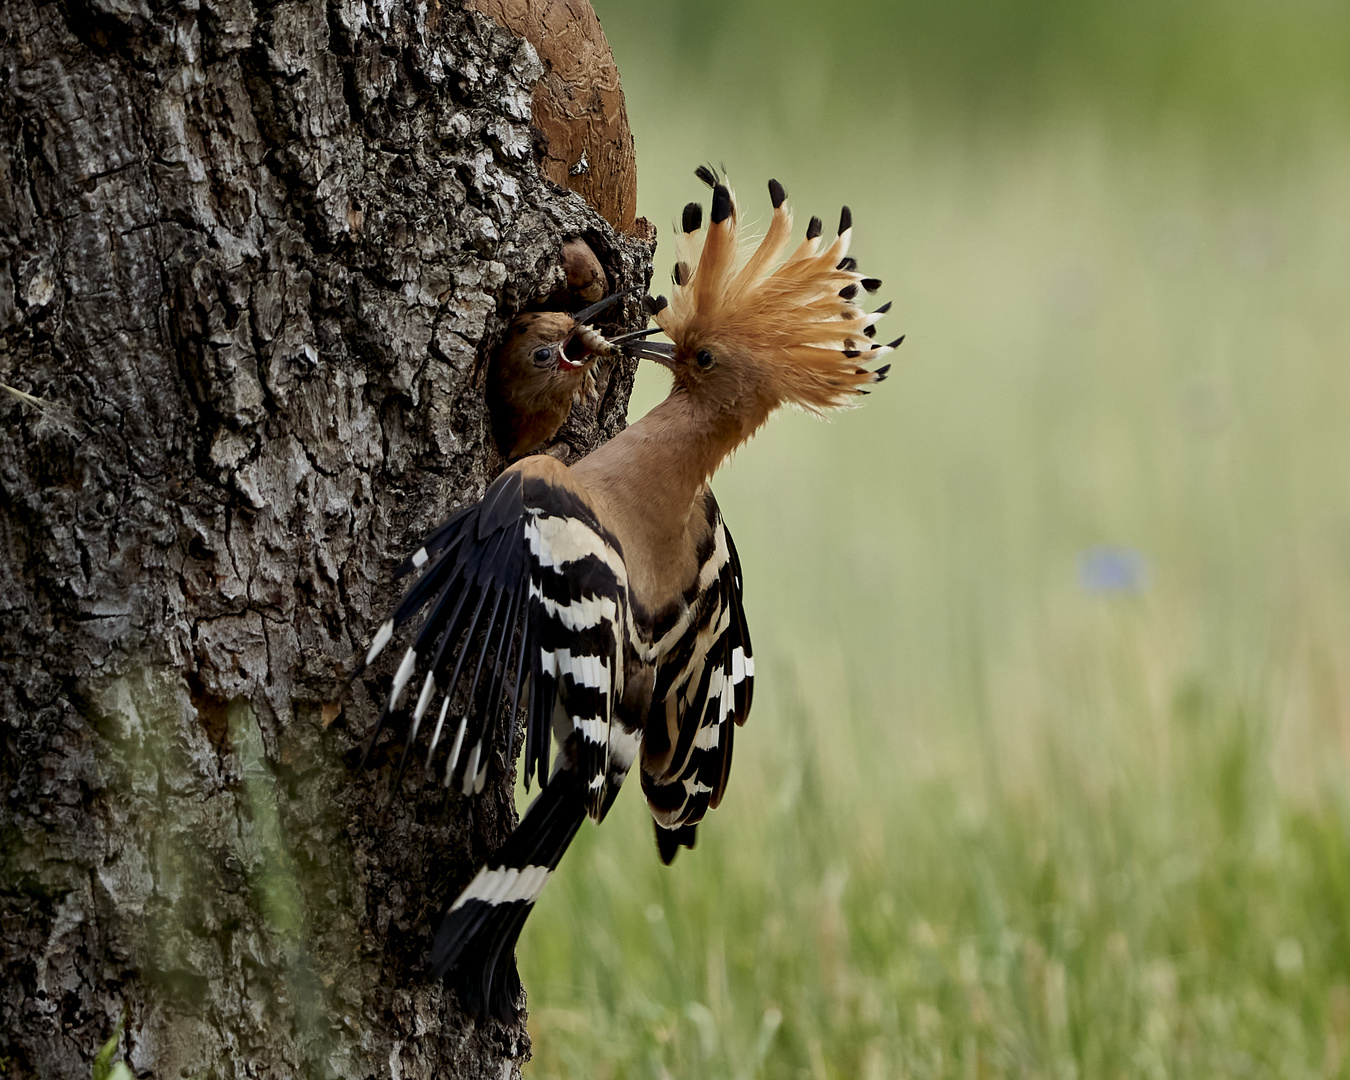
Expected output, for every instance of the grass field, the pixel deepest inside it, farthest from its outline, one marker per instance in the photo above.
(1047, 768)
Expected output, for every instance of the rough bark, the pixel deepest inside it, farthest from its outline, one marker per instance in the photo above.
(251, 258)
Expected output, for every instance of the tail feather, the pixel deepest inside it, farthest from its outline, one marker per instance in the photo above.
(669, 841)
(475, 945)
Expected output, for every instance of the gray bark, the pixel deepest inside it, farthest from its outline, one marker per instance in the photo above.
(251, 257)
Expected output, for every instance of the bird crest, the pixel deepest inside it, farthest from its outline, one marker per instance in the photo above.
(792, 325)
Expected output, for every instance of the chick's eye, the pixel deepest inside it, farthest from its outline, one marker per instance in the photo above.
(705, 359)
(544, 355)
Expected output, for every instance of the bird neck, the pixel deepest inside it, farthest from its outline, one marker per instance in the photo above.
(651, 473)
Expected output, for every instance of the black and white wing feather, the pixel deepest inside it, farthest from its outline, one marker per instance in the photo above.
(577, 614)
(704, 681)
(525, 593)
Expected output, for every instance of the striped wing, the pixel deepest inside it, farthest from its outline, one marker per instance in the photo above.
(524, 592)
(578, 609)
(704, 678)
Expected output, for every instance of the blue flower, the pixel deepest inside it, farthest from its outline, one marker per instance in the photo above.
(1113, 569)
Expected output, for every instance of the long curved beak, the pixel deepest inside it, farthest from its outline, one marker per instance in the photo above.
(586, 314)
(654, 352)
(663, 352)
(634, 335)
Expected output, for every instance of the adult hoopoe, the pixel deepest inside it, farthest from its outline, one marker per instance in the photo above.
(607, 595)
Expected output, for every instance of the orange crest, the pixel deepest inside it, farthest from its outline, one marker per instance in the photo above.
(797, 320)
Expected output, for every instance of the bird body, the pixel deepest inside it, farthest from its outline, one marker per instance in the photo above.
(609, 592)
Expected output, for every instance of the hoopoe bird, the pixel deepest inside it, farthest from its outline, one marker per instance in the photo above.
(606, 596)
(545, 365)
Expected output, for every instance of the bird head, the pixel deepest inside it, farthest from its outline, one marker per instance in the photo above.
(548, 340)
(544, 367)
(554, 343)
(751, 333)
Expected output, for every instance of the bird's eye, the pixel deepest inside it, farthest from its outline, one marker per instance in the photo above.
(544, 355)
(705, 359)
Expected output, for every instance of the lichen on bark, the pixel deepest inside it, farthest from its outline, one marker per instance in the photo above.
(252, 257)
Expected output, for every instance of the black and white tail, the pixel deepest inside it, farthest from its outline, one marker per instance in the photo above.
(475, 945)
(704, 684)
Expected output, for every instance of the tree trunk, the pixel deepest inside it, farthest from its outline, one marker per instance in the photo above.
(252, 255)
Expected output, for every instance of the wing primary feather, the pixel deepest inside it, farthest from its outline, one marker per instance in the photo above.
(482, 653)
(543, 695)
(545, 748)
(738, 614)
(450, 637)
(722, 721)
(501, 656)
(452, 629)
(478, 670)
(412, 732)
(529, 655)
(453, 759)
(471, 767)
(433, 580)
(497, 511)
(435, 543)
(382, 636)
(474, 580)
(521, 664)
(729, 736)
(446, 627)
(440, 720)
(463, 654)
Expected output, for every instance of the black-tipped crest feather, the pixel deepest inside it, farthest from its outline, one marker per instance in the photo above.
(532, 585)
(789, 318)
(721, 204)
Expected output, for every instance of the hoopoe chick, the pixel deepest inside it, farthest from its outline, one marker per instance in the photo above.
(608, 594)
(582, 272)
(544, 367)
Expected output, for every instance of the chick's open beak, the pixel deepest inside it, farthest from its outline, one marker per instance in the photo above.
(585, 344)
(573, 353)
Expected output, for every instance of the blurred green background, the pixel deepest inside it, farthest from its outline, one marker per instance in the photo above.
(1047, 770)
